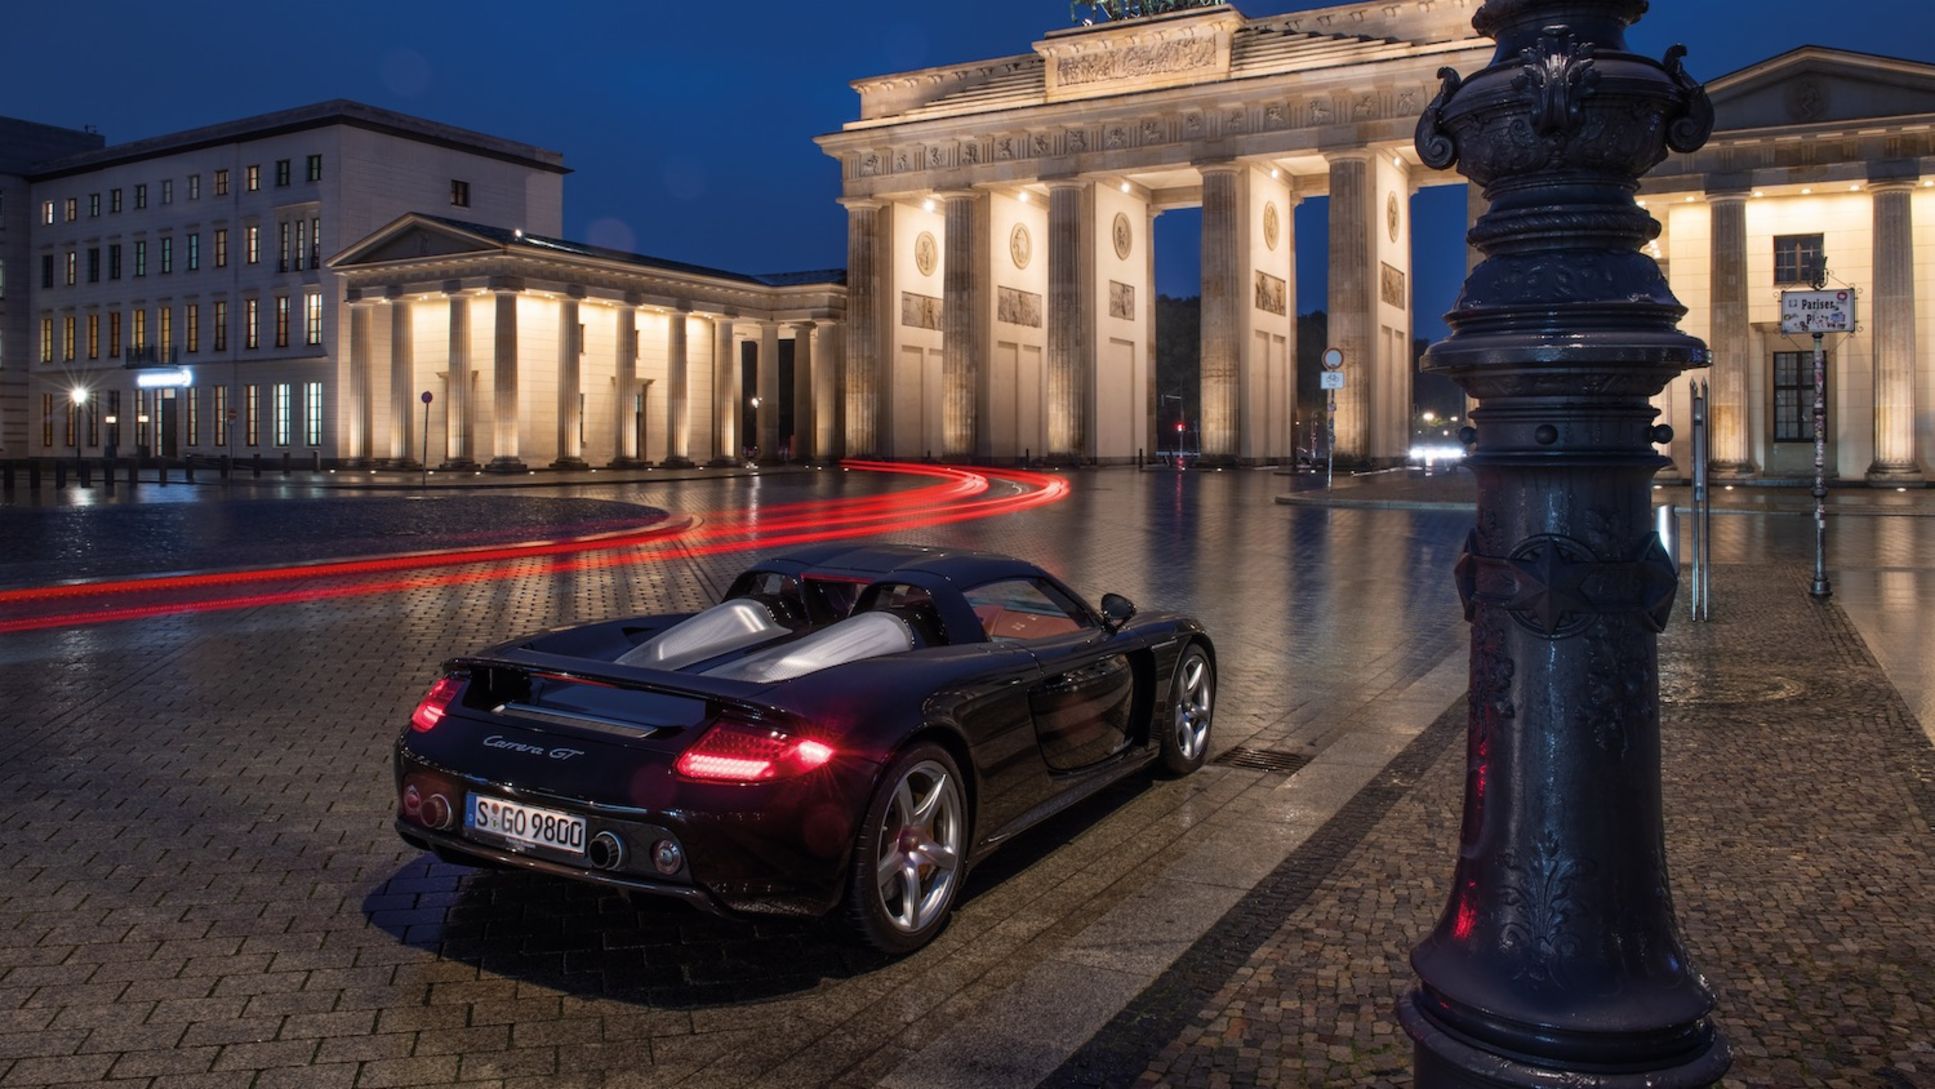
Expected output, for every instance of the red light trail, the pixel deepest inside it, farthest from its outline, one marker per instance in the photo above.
(959, 495)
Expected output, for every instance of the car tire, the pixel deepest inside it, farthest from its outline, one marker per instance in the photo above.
(915, 830)
(1185, 729)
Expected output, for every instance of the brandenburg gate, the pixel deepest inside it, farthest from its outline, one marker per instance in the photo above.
(1001, 265)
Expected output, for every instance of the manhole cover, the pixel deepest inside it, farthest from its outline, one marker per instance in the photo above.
(1276, 760)
(1680, 687)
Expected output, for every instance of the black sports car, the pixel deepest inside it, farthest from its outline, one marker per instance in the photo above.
(851, 726)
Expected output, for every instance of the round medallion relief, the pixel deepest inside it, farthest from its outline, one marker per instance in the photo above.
(1271, 225)
(1391, 215)
(1806, 99)
(926, 253)
(1021, 247)
(1124, 238)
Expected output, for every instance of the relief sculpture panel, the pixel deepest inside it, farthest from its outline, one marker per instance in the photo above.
(1271, 294)
(1121, 300)
(920, 311)
(1136, 61)
(1018, 307)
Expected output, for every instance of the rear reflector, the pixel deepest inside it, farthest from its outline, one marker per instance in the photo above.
(735, 752)
(435, 704)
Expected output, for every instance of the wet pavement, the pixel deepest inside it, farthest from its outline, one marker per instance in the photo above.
(198, 883)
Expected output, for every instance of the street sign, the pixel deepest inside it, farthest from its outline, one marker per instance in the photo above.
(1817, 311)
(1331, 380)
(231, 414)
(1333, 360)
(426, 397)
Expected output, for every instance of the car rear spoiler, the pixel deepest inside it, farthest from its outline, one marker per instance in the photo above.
(718, 689)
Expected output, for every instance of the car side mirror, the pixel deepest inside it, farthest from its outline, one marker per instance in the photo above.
(1117, 610)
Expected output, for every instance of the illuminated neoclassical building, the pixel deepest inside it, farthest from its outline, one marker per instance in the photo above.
(1000, 241)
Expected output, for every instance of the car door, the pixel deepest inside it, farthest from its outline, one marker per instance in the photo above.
(1082, 697)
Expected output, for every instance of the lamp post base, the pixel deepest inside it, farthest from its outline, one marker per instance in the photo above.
(1442, 1060)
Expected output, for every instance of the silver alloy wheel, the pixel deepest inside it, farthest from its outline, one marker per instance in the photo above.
(1192, 708)
(918, 857)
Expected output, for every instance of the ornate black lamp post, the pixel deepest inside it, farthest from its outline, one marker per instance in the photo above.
(1558, 961)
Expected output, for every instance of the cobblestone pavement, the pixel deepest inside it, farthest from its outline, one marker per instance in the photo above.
(1800, 798)
(199, 885)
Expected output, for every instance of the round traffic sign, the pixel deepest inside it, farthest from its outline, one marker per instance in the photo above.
(1333, 359)
(427, 398)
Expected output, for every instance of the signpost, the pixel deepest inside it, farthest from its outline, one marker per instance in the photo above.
(425, 479)
(1330, 382)
(1819, 313)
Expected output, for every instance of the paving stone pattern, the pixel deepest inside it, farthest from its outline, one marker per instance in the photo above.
(199, 884)
(1800, 796)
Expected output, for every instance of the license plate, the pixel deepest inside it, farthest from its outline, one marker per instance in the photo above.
(525, 824)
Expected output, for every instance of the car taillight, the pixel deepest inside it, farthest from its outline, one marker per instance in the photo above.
(435, 704)
(739, 752)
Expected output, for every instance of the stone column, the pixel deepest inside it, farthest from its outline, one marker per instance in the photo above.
(678, 398)
(767, 390)
(1352, 298)
(1152, 406)
(827, 400)
(1732, 454)
(504, 416)
(403, 392)
(1071, 332)
(725, 394)
(803, 430)
(359, 382)
(963, 347)
(862, 364)
(458, 416)
(624, 387)
(1896, 461)
(1224, 223)
(571, 450)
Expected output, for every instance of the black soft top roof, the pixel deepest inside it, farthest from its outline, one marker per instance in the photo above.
(875, 562)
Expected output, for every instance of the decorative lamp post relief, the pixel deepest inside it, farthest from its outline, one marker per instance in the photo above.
(1558, 959)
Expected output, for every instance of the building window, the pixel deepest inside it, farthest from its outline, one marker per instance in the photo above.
(221, 182)
(251, 316)
(142, 416)
(302, 241)
(194, 187)
(93, 205)
(281, 172)
(167, 190)
(165, 326)
(194, 407)
(312, 412)
(114, 411)
(282, 321)
(72, 410)
(253, 177)
(1796, 256)
(47, 340)
(47, 213)
(221, 325)
(140, 258)
(139, 340)
(312, 319)
(94, 336)
(47, 270)
(67, 338)
(315, 242)
(221, 247)
(282, 413)
(192, 326)
(73, 267)
(73, 209)
(114, 335)
(282, 246)
(167, 254)
(114, 261)
(459, 193)
(312, 169)
(1793, 396)
(252, 246)
(94, 264)
(252, 414)
(194, 250)
(140, 197)
(47, 420)
(221, 415)
(114, 200)
(94, 417)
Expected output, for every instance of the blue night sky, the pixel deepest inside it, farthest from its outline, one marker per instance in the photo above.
(690, 124)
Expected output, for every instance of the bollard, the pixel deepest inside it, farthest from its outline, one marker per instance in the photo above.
(7, 481)
(255, 465)
(161, 472)
(60, 474)
(223, 468)
(188, 469)
(82, 473)
(285, 463)
(33, 475)
(134, 467)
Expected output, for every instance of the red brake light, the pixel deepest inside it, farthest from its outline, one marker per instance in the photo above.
(737, 752)
(435, 704)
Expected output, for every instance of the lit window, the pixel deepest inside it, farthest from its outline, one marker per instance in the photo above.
(192, 326)
(312, 413)
(139, 343)
(165, 325)
(94, 336)
(221, 183)
(194, 250)
(302, 241)
(140, 258)
(72, 408)
(1793, 396)
(114, 335)
(194, 187)
(167, 254)
(140, 197)
(282, 321)
(220, 316)
(253, 176)
(315, 242)
(47, 213)
(114, 200)
(167, 190)
(94, 417)
(282, 413)
(194, 396)
(281, 172)
(67, 338)
(312, 170)
(73, 267)
(282, 246)
(251, 316)
(252, 249)
(251, 414)
(73, 209)
(93, 205)
(47, 419)
(221, 247)
(47, 340)
(1796, 256)
(312, 319)
(459, 193)
(221, 415)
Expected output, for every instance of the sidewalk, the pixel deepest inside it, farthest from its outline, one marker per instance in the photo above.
(1800, 801)
(1455, 489)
